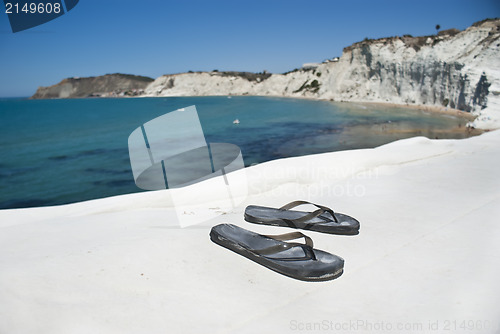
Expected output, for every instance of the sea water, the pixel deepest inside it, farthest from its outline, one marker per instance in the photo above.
(63, 151)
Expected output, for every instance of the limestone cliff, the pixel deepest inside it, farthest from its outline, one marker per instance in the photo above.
(457, 69)
(106, 85)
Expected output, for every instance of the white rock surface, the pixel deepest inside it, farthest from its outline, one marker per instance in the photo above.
(426, 258)
(419, 71)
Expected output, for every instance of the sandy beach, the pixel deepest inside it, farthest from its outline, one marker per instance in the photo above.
(426, 258)
(435, 109)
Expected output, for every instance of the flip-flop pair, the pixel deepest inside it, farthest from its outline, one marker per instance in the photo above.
(292, 259)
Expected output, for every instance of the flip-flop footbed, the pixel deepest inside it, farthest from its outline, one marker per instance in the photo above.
(298, 261)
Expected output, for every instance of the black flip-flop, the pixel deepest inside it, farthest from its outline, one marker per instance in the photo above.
(322, 220)
(296, 260)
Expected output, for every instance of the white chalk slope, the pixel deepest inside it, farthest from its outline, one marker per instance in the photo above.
(428, 251)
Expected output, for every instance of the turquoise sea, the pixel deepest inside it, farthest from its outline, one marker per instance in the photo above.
(63, 151)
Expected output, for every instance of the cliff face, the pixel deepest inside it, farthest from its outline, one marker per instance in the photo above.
(454, 69)
(106, 85)
(457, 69)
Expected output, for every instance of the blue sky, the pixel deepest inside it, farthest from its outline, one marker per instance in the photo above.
(156, 37)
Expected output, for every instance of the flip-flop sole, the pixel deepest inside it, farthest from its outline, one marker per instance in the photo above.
(332, 265)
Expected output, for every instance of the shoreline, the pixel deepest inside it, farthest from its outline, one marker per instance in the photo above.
(438, 109)
(467, 116)
(434, 109)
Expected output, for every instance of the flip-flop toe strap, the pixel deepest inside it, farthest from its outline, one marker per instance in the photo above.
(321, 209)
(307, 247)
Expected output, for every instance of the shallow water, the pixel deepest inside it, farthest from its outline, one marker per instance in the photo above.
(63, 151)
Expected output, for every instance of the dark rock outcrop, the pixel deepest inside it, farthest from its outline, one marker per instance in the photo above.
(108, 85)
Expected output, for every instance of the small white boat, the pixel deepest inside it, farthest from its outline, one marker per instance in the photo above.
(236, 121)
